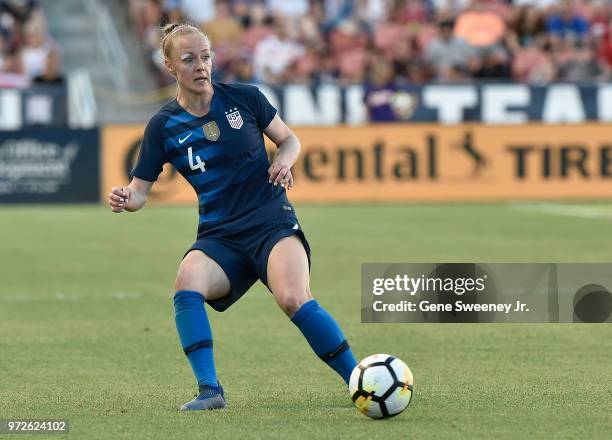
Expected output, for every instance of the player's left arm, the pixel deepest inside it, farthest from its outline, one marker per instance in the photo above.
(288, 146)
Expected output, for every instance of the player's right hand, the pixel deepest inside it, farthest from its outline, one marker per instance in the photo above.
(118, 198)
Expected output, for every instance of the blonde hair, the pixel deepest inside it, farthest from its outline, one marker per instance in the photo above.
(171, 29)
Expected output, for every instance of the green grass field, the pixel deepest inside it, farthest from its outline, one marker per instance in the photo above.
(87, 330)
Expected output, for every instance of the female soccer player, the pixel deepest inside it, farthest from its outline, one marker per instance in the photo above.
(212, 134)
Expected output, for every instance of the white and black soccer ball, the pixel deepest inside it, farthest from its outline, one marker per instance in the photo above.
(381, 386)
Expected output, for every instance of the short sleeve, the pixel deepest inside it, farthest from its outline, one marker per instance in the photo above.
(263, 110)
(152, 156)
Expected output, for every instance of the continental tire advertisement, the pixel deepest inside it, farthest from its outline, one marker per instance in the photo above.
(422, 162)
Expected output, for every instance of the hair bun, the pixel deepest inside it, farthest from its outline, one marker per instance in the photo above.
(169, 28)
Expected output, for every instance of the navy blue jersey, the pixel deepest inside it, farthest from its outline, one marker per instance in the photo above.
(222, 155)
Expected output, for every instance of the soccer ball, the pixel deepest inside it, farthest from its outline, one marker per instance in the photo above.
(381, 386)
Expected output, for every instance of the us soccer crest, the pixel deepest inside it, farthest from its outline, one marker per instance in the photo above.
(234, 118)
(211, 131)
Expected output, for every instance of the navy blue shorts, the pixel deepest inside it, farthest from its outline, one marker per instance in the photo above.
(243, 256)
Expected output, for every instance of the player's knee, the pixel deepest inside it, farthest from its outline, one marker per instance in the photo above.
(290, 300)
(184, 282)
(187, 279)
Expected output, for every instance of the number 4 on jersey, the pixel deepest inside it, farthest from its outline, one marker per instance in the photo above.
(199, 165)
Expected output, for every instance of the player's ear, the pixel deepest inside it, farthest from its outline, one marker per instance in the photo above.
(168, 65)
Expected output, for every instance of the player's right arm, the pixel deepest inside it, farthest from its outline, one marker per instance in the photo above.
(148, 166)
(129, 198)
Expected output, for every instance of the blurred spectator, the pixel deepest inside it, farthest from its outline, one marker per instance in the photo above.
(449, 8)
(13, 15)
(309, 26)
(11, 68)
(196, 11)
(565, 23)
(328, 67)
(146, 16)
(304, 68)
(407, 61)
(604, 54)
(41, 56)
(293, 9)
(151, 17)
(529, 25)
(495, 65)
(225, 33)
(257, 27)
(21, 11)
(386, 35)
(533, 64)
(373, 12)
(410, 12)
(3, 48)
(52, 72)
(580, 66)
(538, 4)
(480, 27)
(173, 12)
(599, 18)
(449, 54)
(242, 9)
(27, 52)
(416, 72)
(275, 53)
(346, 37)
(349, 43)
(385, 101)
(379, 92)
(241, 70)
(335, 12)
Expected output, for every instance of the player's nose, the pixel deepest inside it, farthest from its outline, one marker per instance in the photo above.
(200, 66)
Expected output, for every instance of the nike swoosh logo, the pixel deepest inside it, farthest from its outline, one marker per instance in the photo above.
(181, 140)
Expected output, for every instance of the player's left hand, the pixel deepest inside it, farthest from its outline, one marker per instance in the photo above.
(280, 174)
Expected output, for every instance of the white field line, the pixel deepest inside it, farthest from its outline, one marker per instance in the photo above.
(61, 296)
(580, 211)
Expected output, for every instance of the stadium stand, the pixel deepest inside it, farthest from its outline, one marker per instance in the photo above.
(380, 44)
(533, 41)
(27, 52)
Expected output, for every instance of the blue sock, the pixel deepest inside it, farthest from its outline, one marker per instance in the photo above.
(195, 335)
(325, 337)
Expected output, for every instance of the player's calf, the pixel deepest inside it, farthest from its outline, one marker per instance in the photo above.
(325, 338)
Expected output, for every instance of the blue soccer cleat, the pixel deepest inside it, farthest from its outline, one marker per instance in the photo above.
(209, 398)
